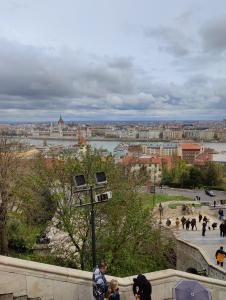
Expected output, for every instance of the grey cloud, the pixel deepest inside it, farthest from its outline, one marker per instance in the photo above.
(213, 35)
(37, 82)
(172, 40)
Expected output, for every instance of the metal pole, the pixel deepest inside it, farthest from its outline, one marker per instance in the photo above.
(93, 228)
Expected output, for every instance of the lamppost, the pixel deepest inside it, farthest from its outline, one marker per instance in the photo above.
(82, 186)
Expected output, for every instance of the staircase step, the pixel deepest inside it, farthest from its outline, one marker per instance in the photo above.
(6, 296)
(24, 297)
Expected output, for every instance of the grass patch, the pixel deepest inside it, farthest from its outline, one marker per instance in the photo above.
(175, 205)
(149, 200)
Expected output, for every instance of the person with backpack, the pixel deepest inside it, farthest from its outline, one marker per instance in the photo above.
(100, 285)
(220, 256)
(142, 288)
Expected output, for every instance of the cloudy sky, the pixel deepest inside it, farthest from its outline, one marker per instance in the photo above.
(112, 59)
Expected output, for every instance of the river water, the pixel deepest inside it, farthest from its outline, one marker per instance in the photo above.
(110, 145)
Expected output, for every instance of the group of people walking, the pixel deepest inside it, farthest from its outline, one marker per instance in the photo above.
(187, 222)
(102, 290)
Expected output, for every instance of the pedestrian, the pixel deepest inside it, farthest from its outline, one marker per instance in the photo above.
(214, 203)
(220, 256)
(100, 285)
(193, 224)
(177, 222)
(183, 220)
(200, 217)
(142, 288)
(168, 222)
(204, 224)
(187, 223)
(205, 219)
(160, 209)
(222, 229)
(184, 207)
(113, 291)
(221, 214)
(214, 225)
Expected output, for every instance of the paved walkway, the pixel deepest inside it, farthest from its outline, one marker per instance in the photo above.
(209, 243)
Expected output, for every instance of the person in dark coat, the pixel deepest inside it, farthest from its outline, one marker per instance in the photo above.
(204, 224)
(168, 222)
(183, 220)
(214, 225)
(142, 288)
(193, 224)
(187, 223)
(222, 229)
(200, 217)
(205, 219)
(221, 214)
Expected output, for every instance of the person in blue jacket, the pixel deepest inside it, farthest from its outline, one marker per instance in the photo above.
(100, 285)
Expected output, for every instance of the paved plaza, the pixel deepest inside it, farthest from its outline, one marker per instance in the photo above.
(209, 243)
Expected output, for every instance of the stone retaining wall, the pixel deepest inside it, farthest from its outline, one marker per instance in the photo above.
(52, 282)
(191, 256)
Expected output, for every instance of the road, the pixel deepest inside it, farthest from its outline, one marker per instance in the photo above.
(220, 195)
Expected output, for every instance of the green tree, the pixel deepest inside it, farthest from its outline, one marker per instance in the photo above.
(126, 232)
(213, 174)
(10, 171)
(196, 177)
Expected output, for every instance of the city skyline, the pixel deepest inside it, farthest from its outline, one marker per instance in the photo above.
(111, 61)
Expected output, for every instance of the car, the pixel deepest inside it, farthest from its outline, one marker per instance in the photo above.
(210, 193)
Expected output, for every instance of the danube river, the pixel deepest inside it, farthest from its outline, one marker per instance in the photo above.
(110, 145)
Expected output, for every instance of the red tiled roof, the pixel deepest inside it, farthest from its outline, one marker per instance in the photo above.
(190, 147)
(140, 160)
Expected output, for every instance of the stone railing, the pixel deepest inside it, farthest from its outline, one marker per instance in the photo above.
(192, 256)
(52, 282)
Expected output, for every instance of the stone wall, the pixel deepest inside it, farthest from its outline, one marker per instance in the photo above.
(191, 256)
(52, 282)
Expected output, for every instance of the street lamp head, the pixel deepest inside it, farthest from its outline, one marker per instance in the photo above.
(101, 178)
(80, 181)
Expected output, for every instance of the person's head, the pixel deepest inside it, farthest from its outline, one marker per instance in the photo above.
(221, 248)
(102, 267)
(114, 285)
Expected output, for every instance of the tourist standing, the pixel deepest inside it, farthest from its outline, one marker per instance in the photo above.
(113, 291)
(177, 222)
(160, 209)
(193, 224)
(222, 229)
(100, 285)
(142, 288)
(220, 256)
(187, 223)
(204, 224)
(221, 214)
(200, 217)
(183, 220)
